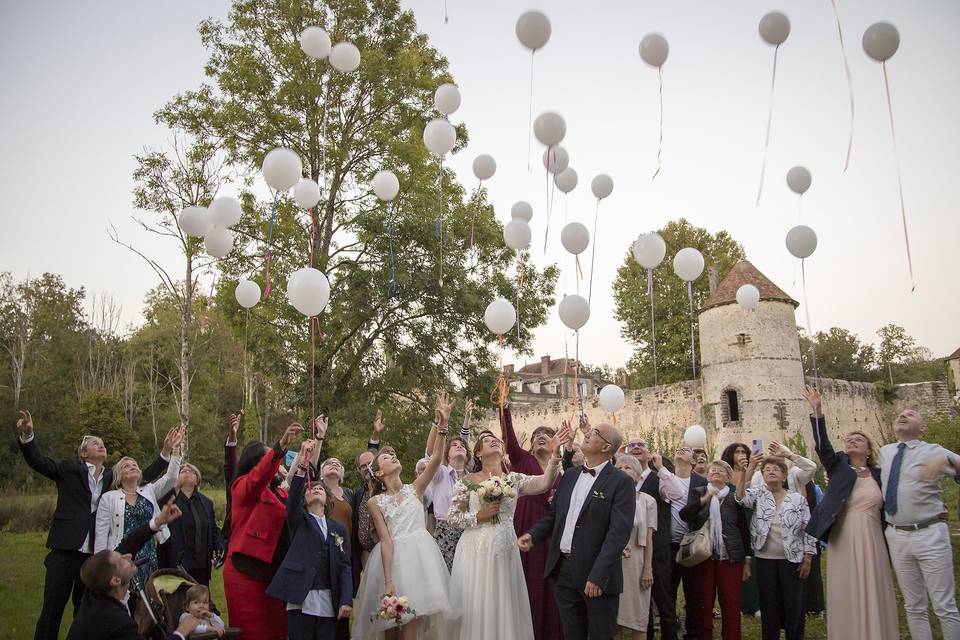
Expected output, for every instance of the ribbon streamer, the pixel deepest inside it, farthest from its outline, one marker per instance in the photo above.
(576, 375)
(394, 285)
(766, 143)
(693, 352)
(273, 219)
(499, 393)
(903, 209)
(846, 68)
(473, 212)
(438, 227)
(549, 201)
(806, 310)
(653, 340)
(593, 251)
(521, 277)
(660, 146)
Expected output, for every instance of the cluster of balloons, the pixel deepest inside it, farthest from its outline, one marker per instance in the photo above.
(439, 136)
(344, 56)
(212, 224)
(516, 233)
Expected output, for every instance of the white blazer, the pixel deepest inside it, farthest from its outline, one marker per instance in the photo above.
(112, 503)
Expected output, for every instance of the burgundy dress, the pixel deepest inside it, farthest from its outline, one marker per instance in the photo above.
(543, 606)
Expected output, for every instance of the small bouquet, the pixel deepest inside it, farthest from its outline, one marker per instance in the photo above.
(396, 608)
(494, 489)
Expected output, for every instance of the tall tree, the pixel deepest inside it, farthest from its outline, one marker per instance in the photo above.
(841, 355)
(896, 347)
(264, 93)
(671, 305)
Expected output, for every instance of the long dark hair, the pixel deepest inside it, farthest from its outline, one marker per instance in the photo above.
(731, 450)
(251, 455)
(478, 463)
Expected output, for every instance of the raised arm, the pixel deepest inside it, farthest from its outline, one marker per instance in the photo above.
(805, 469)
(36, 460)
(168, 481)
(160, 465)
(670, 487)
(248, 488)
(535, 485)
(514, 450)
(821, 439)
(745, 497)
(442, 409)
(295, 500)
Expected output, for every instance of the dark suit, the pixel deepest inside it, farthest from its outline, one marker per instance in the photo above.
(102, 616)
(199, 522)
(312, 562)
(662, 595)
(72, 522)
(602, 531)
(842, 479)
(687, 575)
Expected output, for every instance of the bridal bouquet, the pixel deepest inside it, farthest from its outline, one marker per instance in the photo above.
(494, 489)
(396, 608)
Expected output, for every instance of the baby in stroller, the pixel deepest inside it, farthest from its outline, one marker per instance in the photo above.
(197, 601)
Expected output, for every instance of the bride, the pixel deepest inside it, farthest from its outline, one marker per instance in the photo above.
(487, 583)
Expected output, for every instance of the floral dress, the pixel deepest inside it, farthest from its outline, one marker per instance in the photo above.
(133, 517)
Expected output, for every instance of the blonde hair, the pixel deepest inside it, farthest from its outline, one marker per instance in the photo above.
(872, 452)
(115, 469)
(84, 441)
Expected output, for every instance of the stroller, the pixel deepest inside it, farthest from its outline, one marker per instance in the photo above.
(162, 602)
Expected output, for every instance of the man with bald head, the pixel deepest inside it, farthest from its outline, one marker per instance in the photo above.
(911, 472)
(589, 524)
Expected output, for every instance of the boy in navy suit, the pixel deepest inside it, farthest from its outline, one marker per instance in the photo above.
(315, 578)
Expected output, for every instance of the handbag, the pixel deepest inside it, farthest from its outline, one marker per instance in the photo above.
(695, 547)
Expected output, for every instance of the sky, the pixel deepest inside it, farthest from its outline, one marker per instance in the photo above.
(82, 80)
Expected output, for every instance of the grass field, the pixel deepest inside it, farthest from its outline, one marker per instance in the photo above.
(21, 583)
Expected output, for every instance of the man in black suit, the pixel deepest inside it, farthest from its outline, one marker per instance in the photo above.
(79, 486)
(107, 574)
(589, 524)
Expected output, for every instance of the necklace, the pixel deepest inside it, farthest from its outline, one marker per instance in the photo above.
(860, 469)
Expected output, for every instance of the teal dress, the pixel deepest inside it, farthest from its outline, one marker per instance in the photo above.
(133, 517)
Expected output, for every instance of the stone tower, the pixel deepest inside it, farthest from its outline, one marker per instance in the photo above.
(752, 375)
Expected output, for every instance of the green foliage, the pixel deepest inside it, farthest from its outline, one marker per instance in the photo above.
(101, 415)
(945, 432)
(719, 250)
(841, 355)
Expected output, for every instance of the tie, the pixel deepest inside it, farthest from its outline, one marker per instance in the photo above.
(894, 480)
(592, 472)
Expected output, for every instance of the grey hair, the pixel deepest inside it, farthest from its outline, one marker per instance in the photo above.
(328, 461)
(616, 439)
(630, 461)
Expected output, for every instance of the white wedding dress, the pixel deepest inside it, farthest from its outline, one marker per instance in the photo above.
(487, 584)
(419, 573)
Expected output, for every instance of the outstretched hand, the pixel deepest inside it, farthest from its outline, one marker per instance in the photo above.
(443, 408)
(169, 513)
(25, 423)
(813, 397)
(378, 425)
(288, 436)
(320, 425)
(234, 425)
(563, 436)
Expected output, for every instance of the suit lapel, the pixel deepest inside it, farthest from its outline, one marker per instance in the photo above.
(597, 487)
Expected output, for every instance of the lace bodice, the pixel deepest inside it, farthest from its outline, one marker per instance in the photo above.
(403, 512)
(498, 536)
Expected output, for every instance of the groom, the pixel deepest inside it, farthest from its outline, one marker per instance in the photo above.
(589, 524)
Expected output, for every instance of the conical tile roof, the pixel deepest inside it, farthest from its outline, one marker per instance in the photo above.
(745, 273)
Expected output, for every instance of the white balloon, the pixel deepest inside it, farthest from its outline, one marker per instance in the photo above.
(695, 437)
(517, 234)
(282, 168)
(533, 29)
(602, 186)
(654, 49)
(247, 293)
(386, 185)
(500, 316)
(225, 211)
(575, 238)
(447, 98)
(306, 193)
(345, 57)
(611, 398)
(649, 250)
(521, 211)
(801, 241)
(549, 128)
(774, 28)
(574, 311)
(799, 179)
(566, 180)
(555, 159)
(218, 241)
(881, 41)
(308, 290)
(484, 166)
(315, 42)
(688, 264)
(439, 136)
(748, 296)
(195, 221)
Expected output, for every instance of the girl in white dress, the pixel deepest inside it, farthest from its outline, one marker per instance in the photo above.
(406, 562)
(487, 583)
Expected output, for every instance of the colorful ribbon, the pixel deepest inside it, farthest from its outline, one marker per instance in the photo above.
(394, 285)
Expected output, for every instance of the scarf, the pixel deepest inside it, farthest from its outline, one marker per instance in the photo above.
(716, 525)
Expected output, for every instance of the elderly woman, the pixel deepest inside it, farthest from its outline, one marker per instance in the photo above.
(128, 505)
(721, 575)
(850, 518)
(783, 550)
(195, 538)
(633, 614)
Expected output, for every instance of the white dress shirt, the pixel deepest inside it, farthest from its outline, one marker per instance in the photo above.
(319, 602)
(581, 491)
(917, 499)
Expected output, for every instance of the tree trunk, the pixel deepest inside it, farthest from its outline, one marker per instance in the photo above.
(185, 318)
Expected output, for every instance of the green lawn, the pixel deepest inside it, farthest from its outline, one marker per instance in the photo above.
(21, 584)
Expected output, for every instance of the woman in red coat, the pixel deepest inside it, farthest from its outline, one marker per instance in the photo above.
(258, 541)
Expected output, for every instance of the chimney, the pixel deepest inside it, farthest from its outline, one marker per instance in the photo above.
(544, 366)
(508, 370)
(714, 276)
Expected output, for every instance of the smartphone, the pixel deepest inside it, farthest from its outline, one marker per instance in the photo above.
(757, 445)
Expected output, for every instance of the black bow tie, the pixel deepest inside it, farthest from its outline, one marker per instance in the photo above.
(592, 472)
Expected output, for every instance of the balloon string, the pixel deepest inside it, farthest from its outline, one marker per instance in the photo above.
(521, 278)
(473, 213)
(499, 393)
(530, 115)
(806, 310)
(653, 340)
(394, 285)
(693, 352)
(549, 200)
(579, 273)
(273, 218)
(903, 209)
(799, 207)
(766, 143)
(576, 374)
(593, 251)
(566, 283)
(323, 147)
(246, 383)
(846, 68)
(439, 222)
(660, 147)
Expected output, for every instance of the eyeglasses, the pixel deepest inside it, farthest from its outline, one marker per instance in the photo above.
(633, 444)
(597, 433)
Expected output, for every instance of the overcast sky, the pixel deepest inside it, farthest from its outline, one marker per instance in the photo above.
(81, 81)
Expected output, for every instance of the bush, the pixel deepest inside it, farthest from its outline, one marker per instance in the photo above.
(102, 415)
(945, 432)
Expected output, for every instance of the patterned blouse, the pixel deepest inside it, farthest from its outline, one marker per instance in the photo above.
(133, 517)
(794, 515)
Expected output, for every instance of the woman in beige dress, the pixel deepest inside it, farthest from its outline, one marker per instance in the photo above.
(861, 604)
(634, 610)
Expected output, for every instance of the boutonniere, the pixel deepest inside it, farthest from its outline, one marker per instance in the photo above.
(339, 542)
(598, 495)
